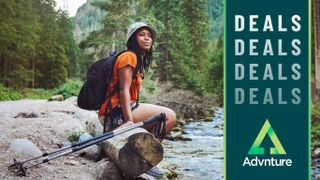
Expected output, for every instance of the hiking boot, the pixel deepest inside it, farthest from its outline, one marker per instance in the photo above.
(155, 172)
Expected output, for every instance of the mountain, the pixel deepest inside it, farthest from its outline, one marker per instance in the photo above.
(86, 20)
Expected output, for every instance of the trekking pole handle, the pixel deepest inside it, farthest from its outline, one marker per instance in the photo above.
(159, 117)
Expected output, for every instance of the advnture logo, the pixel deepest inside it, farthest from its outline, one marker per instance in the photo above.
(267, 129)
(276, 150)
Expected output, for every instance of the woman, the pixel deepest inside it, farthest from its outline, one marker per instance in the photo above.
(127, 79)
(127, 75)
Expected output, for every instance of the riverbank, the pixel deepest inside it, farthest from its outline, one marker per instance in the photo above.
(50, 125)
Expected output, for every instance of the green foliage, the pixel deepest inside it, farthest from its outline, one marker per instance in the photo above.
(315, 126)
(8, 94)
(148, 88)
(74, 136)
(183, 44)
(37, 93)
(184, 33)
(216, 69)
(70, 88)
(37, 48)
(215, 12)
(315, 135)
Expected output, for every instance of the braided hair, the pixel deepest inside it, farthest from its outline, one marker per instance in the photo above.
(144, 57)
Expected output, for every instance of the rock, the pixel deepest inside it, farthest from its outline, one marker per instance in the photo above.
(84, 137)
(208, 119)
(316, 152)
(58, 97)
(90, 128)
(72, 162)
(92, 153)
(72, 99)
(181, 122)
(177, 136)
(107, 170)
(177, 129)
(26, 147)
(145, 176)
(189, 120)
(68, 128)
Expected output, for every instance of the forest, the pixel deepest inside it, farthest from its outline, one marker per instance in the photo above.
(38, 49)
(37, 46)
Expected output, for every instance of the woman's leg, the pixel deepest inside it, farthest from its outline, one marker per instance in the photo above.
(145, 111)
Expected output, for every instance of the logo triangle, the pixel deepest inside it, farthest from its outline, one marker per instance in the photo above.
(267, 129)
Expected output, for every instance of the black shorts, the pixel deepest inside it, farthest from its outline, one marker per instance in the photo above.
(115, 118)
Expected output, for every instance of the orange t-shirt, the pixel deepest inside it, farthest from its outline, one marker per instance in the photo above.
(127, 58)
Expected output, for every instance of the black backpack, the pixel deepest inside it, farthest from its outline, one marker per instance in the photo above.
(93, 92)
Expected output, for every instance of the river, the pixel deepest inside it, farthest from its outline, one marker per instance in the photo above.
(202, 157)
(315, 170)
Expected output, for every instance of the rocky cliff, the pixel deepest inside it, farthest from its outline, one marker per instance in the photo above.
(86, 20)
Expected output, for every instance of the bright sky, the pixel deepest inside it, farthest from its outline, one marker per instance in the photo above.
(72, 5)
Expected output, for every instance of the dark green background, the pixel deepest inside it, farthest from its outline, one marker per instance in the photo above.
(290, 122)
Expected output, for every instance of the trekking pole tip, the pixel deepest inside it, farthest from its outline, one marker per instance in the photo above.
(18, 167)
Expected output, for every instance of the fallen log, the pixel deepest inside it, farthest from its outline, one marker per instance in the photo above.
(133, 152)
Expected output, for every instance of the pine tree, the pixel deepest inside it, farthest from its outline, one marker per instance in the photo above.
(19, 37)
(65, 38)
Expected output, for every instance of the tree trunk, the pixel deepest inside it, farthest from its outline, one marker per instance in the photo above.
(4, 72)
(133, 152)
(113, 43)
(316, 35)
(33, 72)
(8, 74)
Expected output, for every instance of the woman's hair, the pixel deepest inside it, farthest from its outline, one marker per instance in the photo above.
(144, 58)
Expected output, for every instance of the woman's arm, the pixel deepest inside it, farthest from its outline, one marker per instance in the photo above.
(125, 79)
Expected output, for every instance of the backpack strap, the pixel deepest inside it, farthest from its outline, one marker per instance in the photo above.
(116, 89)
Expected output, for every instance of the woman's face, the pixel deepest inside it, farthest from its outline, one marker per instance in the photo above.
(144, 39)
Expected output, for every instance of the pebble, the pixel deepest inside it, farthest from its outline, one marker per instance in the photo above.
(177, 129)
(317, 152)
(208, 119)
(84, 137)
(58, 97)
(176, 136)
(72, 162)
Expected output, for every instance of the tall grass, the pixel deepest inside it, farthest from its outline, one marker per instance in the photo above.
(68, 89)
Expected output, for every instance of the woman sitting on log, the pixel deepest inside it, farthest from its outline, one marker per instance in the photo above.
(128, 72)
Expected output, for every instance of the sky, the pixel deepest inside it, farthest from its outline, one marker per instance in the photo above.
(72, 5)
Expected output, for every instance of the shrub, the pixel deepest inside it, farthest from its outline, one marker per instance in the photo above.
(70, 88)
(9, 94)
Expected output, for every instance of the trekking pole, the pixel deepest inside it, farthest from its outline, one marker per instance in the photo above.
(83, 144)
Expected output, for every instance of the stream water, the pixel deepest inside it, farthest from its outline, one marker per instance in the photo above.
(202, 157)
(315, 170)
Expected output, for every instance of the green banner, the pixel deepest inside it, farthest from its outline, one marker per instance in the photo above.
(267, 53)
